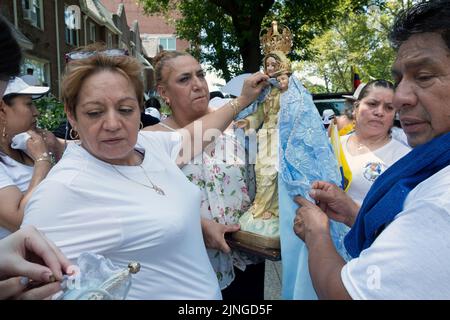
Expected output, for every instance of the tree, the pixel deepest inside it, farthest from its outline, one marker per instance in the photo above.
(357, 40)
(228, 30)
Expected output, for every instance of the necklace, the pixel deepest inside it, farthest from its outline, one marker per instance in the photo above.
(153, 186)
(360, 146)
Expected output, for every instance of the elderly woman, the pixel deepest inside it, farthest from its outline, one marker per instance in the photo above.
(370, 149)
(23, 168)
(119, 192)
(219, 172)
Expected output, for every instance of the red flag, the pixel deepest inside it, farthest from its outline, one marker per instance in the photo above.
(355, 79)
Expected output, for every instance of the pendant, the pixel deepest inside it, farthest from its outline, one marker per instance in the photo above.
(158, 190)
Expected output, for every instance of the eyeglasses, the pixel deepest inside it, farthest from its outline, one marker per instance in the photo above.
(77, 55)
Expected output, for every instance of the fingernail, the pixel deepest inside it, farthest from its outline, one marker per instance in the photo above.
(48, 277)
(312, 193)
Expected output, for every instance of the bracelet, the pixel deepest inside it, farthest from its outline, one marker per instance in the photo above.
(235, 105)
(44, 157)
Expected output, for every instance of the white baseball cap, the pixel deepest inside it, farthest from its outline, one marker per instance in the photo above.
(18, 86)
(357, 92)
(327, 115)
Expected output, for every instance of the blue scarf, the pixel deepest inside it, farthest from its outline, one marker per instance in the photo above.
(387, 195)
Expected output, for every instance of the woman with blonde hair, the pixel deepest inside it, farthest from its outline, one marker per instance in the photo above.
(219, 172)
(119, 192)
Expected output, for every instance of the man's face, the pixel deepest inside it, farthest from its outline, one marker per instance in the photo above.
(422, 96)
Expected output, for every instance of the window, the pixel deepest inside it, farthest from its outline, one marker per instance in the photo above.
(72, 19)
(168, 43)
(109, 40)
(92, 31)
(72, 37)
(33, 12)
(41, 69)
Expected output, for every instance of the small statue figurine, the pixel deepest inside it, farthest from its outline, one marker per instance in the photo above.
(260, 224)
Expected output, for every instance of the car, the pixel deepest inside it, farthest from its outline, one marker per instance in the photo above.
(333, 101)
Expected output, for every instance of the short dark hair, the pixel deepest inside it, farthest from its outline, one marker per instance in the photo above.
(378, 83)
(152, 102)
(10, 54)
(214, 94)
(430, 16)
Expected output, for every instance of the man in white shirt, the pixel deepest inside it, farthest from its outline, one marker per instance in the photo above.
(30, 78)
(398, 239)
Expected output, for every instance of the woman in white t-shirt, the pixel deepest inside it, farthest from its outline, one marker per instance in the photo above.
(122, 194)
(370, 149)
(23, 163)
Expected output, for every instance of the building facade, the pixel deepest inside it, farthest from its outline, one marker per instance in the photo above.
(47, 30)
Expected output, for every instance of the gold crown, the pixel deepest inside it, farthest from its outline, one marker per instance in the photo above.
(272, 40)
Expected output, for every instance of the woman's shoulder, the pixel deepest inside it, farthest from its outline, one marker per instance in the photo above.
(398, 147)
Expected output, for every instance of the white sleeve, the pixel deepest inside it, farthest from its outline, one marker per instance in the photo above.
(409, 260)
(5, 179)
(168, 142)
(71, 221)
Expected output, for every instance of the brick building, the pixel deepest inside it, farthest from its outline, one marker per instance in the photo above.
(154, 30)
(48, 29)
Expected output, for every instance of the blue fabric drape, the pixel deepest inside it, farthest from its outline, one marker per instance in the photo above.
(305, 156)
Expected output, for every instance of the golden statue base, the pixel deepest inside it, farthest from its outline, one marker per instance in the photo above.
(267, 247)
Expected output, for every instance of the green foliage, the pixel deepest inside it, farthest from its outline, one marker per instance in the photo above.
(51, 112)
(360, 40)
(228, 31)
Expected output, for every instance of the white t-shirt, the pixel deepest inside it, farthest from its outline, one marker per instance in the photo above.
(399, 135)
(13, 173)
(31, 80)
(366, 168)
(410, 259)
(84, 205)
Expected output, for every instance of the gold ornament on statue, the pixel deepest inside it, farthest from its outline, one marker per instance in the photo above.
(276, 38)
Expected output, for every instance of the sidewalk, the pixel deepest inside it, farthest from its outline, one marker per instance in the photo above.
(272, 280)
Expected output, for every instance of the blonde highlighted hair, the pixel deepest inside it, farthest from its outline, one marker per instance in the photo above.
(161, 61)
(77, 71)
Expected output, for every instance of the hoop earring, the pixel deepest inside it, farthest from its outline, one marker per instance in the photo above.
(141, 126)
(73, 134)
(4, 134)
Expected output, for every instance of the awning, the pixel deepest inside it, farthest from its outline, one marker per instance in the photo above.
(23, 41)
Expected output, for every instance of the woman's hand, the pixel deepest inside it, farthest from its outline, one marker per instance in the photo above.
(54, 145)
(214, 234)
(36, 146)
(334, 202)
(309, 220)
(15, 288)
(29, 253)
(252, 88)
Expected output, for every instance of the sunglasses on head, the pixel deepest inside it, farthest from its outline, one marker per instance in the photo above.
(77, 55)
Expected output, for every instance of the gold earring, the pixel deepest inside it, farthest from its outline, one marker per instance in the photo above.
(73, 134)
(4, 131)
(141, 126)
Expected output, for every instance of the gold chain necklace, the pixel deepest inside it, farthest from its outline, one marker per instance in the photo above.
(153, 186)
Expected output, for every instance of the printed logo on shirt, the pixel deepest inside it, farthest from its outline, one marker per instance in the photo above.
(372, 170)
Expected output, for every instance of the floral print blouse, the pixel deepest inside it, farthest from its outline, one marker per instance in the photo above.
(220, 173)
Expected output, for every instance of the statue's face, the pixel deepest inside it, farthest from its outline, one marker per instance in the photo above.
(272, 66)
